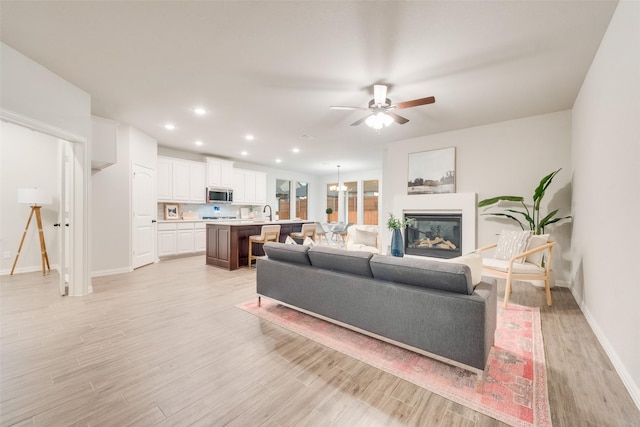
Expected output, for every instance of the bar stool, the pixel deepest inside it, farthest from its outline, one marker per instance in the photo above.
(308, 230)
(268, 233)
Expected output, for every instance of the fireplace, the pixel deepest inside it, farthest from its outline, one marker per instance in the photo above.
(437, 235)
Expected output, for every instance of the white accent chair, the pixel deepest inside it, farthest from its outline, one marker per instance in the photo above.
(526, 265)
(307, 230)
(268, 233)
(363, 238)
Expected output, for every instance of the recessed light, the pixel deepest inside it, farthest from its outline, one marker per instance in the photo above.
(244, 152)
(200, 111)
(249, 137)
(296, 150)
(278, 160)
(169, 126)
(199, 142)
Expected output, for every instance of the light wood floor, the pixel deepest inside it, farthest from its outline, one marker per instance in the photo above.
(165, 346)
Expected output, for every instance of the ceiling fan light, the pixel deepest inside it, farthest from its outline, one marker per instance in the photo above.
(387, 120)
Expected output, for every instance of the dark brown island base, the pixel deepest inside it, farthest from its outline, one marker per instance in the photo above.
(228, 241)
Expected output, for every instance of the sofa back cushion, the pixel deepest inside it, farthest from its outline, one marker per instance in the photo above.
(352, 262)
(296, 254)
(425, 273)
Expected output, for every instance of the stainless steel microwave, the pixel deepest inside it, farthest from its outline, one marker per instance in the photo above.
(219, 195)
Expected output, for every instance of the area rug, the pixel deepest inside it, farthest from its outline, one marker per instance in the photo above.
(515, 387)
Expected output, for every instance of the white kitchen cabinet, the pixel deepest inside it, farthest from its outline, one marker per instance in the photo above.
(249, 187)
(181, 238)
(219, 173)
(164, 179)
(197, 180)
(238, 186)
(261, 188)
(200, 236)
(180, 181)
(185, 238)
(166, 239)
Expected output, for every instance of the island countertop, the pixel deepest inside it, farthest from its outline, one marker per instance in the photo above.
(228, 240)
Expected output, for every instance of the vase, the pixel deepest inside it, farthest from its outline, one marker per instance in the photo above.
(397, 243)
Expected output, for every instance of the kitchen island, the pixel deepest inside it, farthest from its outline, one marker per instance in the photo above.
(228, 241)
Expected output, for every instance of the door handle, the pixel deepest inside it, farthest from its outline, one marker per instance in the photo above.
(153, 221)
(57, 224)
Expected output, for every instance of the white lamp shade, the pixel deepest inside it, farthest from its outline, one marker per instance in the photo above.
(33, 196)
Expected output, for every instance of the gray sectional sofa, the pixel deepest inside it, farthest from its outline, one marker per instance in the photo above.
(427, 306)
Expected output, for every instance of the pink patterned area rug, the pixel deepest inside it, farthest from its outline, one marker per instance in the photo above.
(515, 387)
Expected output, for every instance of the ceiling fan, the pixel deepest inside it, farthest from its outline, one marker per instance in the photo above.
(382, 110)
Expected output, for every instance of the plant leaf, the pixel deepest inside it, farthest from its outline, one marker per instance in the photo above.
(526, 216)
(538, 194)
(507, 216)
(488, 202)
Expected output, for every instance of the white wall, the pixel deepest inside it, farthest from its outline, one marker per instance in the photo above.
(36, 98)
(506, 158)
(111, 202)
(27, 159)
(606, 197)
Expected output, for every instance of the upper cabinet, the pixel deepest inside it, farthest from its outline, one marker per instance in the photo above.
(104, 142)
(249, 187)
(180, 181)
(219, 173)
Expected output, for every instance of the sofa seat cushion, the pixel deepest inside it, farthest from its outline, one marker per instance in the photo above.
(443, 276)
(352, 262)
(503, 265)
(296, 254)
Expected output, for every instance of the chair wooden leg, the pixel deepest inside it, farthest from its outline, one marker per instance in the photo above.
(548, 291)
(507, 292)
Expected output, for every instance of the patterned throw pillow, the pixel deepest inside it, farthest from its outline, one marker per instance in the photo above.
(290, 241)
(511, 243)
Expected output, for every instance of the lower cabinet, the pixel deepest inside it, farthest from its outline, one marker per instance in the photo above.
(181, 238)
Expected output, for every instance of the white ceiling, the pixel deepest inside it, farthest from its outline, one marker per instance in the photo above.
(273, 68)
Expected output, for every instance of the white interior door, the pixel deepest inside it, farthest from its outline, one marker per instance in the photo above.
(64, 202)
(144, 215)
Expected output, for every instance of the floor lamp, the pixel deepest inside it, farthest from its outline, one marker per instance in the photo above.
(36, 198)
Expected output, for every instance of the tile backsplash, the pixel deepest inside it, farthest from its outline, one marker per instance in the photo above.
(210, 209)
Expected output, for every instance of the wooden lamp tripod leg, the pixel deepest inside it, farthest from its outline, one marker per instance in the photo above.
(43, 245)
(22, 241)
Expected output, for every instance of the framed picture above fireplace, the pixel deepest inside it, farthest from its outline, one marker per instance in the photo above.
(432, 172)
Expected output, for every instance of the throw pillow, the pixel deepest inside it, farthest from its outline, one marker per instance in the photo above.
(366, 238)
(308, 241)
(511, 243)
(474, 261)
(536, 242)
(290, 241)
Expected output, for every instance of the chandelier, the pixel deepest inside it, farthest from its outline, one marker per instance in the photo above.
(338, 187)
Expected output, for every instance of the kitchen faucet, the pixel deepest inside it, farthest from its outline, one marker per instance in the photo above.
(270, 212)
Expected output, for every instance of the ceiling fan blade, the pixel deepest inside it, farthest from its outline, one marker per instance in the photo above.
(345, 107)
(398, 119)
(357, 122)
(416, 102)
(379, 94)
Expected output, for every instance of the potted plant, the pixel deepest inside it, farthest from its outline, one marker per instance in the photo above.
(534, 219)
(396, 225)
(328, 211)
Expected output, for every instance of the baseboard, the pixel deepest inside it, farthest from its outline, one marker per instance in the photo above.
(563, 284)
(30, 269)
(621, 370)
(100, 273)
